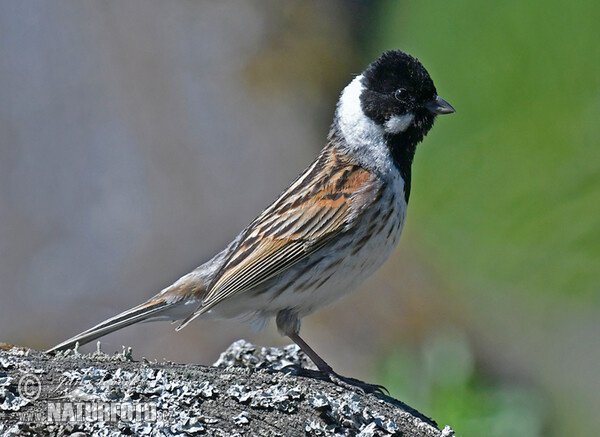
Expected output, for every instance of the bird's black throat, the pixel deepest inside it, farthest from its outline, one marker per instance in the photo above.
(402, 147)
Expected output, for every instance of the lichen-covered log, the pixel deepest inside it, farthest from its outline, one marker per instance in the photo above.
(250, 391)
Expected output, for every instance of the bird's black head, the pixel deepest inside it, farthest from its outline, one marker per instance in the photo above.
(399, 95)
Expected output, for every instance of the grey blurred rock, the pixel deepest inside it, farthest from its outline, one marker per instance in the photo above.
(244, 395)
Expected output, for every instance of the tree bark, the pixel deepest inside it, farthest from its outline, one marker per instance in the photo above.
(250, 391)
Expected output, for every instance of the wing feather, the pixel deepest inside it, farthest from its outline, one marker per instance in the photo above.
(322, 203)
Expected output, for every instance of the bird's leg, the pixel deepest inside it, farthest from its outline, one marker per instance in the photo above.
(289, 324)
(327, 370)
(319, 362)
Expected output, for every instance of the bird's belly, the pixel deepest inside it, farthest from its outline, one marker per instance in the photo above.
(345, 266)
(328, 274)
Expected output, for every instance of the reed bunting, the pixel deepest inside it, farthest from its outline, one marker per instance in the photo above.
(333, 227)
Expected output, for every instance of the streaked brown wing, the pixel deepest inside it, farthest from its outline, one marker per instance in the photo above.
(320, 204)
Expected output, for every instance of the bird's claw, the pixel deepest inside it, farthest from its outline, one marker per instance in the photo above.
(351, 384)
(354, 384)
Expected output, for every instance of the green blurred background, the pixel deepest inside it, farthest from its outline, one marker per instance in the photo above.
(137, 138)
(506, 212)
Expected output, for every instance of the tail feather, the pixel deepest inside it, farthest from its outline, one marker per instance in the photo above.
(189, 319)
(136, 314)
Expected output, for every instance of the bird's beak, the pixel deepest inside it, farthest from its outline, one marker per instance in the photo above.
(439, 106)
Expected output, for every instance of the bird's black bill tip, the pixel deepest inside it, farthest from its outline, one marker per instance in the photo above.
(439, 106)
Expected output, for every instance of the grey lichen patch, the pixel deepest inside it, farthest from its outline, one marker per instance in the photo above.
(277, 397)
(14, 361)
(10, 401)
(349, 411)
(242, 418)
(244, 354)
(247, 394)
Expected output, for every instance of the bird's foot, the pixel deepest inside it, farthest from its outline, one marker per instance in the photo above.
(353, 384)
(330, 375)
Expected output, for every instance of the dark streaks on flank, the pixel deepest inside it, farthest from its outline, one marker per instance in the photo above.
(334, 264)
(312, 283)
(392, 228)
(373, 225)
(345, 245)
(387, 215)
(312, 264)
(361, 243)
(322, 281)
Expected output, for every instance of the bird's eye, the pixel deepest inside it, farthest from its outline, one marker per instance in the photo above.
(400, 94)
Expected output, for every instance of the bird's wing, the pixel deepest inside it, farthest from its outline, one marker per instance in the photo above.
(323, 202)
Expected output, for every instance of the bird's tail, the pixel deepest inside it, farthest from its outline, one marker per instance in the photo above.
(157, 308)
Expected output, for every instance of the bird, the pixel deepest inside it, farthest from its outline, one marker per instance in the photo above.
(328, 231)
